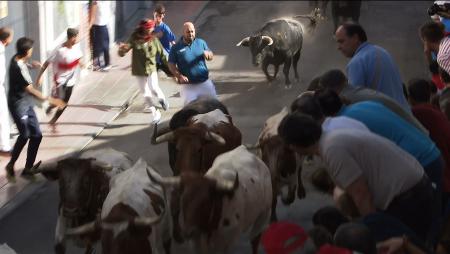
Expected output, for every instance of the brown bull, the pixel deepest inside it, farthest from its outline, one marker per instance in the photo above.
(197, 145)
(284, 164)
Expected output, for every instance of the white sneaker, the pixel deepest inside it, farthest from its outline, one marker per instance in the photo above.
(156, 116)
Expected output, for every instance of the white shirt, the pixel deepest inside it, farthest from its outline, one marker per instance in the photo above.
(65, 61)
(2, 65)
(103, 13)
(342, 122)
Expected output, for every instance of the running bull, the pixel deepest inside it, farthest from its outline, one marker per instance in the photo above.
(83, 186)
(279, 42)
(135, 217)
(283, 163)
(233, 198)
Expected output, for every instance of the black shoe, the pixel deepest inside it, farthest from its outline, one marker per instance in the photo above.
(164, 105)
(27, 174)
(10, 175)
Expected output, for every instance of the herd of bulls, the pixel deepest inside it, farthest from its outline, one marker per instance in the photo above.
(219, 190)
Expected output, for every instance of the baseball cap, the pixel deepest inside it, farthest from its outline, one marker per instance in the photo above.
(147, 23)
(283, 238)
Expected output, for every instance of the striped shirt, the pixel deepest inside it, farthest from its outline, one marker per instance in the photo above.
(443, 56)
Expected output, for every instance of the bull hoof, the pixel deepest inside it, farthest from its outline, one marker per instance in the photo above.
(301, 193)
(60, 248)
(288, 86)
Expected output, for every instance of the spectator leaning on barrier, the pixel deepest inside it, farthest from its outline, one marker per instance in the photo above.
(370, 65)
(187, 63)
(20, 105)
(377, 174)
(6, 36)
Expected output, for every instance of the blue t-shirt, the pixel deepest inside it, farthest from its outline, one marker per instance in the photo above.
(190, 60)
(382, 121)
(370, 59)
(167, 37)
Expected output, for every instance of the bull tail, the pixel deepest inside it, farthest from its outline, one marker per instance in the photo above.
(314, 17)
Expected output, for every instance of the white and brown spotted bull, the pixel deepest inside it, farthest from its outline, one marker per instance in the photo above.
(135, 217)
(279, 42)
(232, 199)
(284, 164)
(83, 186)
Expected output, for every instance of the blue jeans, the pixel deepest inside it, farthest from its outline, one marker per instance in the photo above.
(28, 126)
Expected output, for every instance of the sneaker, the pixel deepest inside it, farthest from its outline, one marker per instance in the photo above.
(10, 175)
(156, 116)
(49, 110)
(164, 104)
(5, 152)
(106, 68)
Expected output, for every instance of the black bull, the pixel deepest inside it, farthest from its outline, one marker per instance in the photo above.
(279, 42)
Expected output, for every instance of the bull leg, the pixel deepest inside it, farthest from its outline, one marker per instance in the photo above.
(286, 67)
(301, 193)
(273, 215)
(167, 246)
(255, 244)
(265, 66)
(60, 246)
(295, 63)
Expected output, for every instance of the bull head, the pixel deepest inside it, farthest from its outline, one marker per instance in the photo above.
(257, 45)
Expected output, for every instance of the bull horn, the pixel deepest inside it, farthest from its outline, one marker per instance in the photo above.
(164, 181)
(227, 185)
(267, 39)
(165, 138)
(86, 228)
(145, 221)
(252, 147)
(46, 167)
(103, 165)
(159, 129)
(215, 137)
(244, 41)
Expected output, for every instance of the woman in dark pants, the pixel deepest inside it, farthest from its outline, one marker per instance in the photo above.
(20, 105)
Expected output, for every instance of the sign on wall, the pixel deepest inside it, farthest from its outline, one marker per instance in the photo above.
(3, 9)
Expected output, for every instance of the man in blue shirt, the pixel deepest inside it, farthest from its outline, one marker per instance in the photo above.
(370, 66)
(187, 63)
(164, 34)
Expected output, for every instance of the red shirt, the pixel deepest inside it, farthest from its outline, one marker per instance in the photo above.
(439, 127)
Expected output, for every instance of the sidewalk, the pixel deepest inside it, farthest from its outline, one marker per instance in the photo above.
(97, 100)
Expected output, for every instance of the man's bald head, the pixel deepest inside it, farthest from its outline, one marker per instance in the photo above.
(188, 32)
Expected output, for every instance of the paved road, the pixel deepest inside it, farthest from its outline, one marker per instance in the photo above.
(393, 25)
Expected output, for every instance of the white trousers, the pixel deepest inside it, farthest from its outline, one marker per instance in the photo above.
(5, 131)
(191, 92)
(149, 88)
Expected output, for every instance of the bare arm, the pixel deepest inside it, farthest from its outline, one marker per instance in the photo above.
(92, 10)
(37, 94)
(208, 55)
(360, 193)
(180, 77)
(41, 71)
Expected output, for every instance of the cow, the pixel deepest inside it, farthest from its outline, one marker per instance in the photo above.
(233, 198)
(135, 217)
(279, 42)
(283, 163)
(197, 145)
(83, 186)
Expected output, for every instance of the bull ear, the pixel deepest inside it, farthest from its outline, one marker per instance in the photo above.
(267, 39)
(244, 43)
